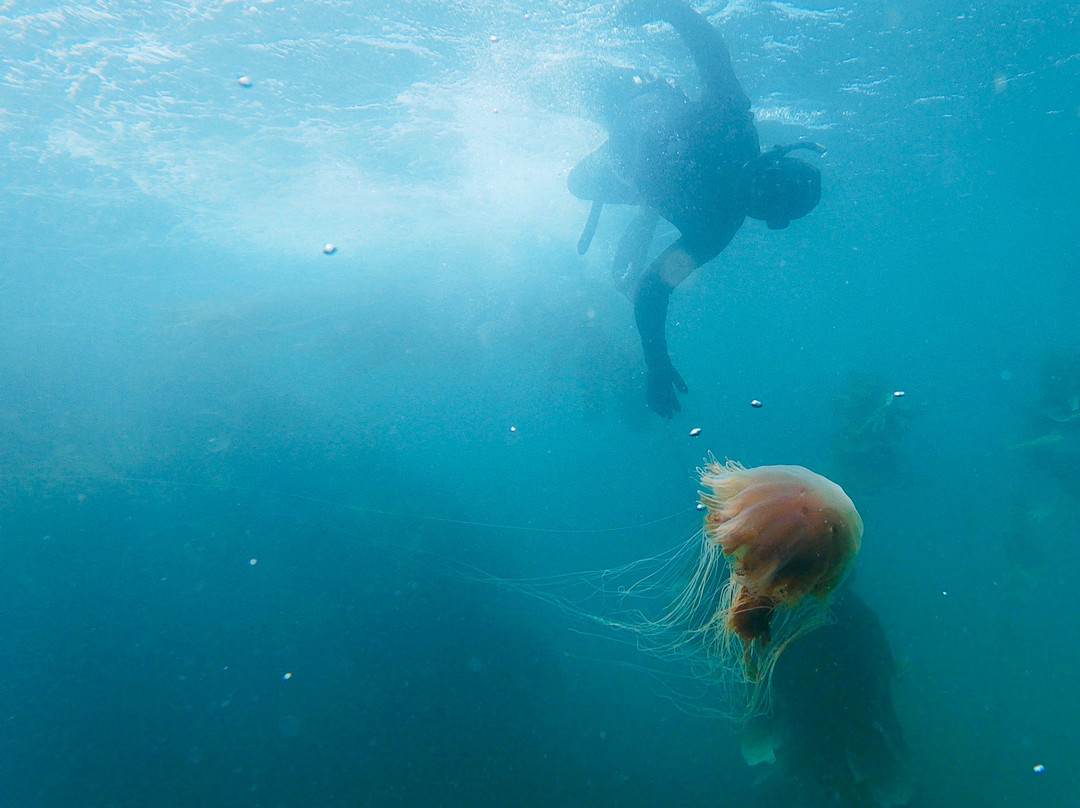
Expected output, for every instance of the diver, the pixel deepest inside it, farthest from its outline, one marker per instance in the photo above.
(695, 162)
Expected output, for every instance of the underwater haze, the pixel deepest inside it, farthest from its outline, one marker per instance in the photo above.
(298, 361)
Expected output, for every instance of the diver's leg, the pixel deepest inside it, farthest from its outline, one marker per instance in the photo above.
(629, 262)
(597, 179)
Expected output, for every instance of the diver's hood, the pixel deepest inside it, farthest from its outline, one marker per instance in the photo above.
(782, 188)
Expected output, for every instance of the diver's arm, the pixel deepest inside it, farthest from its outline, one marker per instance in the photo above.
(650, 315)
(705, 44)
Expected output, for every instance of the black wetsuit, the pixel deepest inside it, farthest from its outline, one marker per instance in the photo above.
(684, 158)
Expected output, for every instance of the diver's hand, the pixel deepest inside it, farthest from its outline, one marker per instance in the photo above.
(660, 386)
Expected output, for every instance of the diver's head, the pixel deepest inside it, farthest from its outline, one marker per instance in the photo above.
(782, 188)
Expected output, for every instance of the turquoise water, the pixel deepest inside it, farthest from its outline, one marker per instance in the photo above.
(242, 479)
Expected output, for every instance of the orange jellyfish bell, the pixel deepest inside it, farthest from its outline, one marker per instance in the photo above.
(788, 533)
(777, 542)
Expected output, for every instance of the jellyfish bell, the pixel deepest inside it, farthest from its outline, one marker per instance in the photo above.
(789, 537)
(788, 533)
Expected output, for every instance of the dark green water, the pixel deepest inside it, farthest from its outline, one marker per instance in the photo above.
(240, 479)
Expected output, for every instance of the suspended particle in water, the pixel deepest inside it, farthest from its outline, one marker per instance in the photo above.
(245, 81)
(755, 404)
(695, 431)
(329, 249)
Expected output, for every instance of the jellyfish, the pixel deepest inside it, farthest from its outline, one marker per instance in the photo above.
(777, 542)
